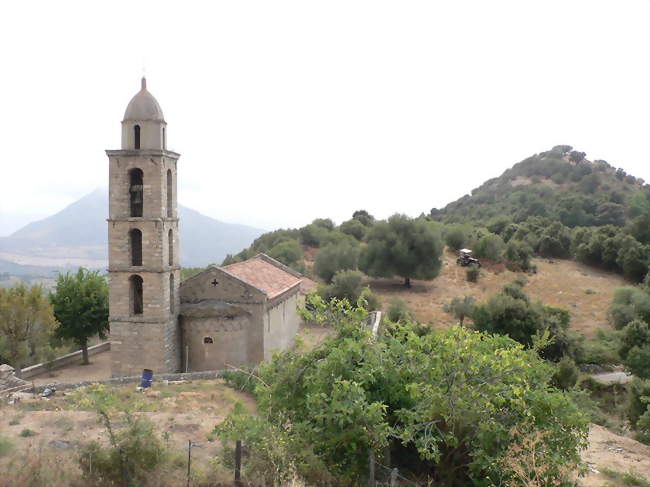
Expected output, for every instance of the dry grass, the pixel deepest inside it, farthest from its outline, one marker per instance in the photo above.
(184, 411)
(584, 291)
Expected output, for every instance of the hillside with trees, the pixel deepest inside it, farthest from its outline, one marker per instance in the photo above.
(556, 204)
(561, 184)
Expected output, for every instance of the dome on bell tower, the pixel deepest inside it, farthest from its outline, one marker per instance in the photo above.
(143, 106)
(144, 126)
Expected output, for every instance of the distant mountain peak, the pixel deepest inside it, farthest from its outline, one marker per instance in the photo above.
(79, 231)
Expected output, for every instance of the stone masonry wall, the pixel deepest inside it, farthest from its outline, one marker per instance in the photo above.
(151, 339)
(234, 291)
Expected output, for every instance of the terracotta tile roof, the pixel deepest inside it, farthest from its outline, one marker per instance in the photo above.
(264, 275)
(307, 285)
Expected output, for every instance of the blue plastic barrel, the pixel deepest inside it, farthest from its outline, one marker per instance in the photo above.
(147, 377)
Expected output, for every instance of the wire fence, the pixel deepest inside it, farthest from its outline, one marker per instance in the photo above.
(379, 475)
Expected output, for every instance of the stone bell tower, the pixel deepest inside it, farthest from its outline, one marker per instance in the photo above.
(143, 258)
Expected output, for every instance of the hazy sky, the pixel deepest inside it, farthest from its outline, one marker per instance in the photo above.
(286, 111)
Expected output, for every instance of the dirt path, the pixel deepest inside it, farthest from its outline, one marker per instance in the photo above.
(99, 368)
(619, 453)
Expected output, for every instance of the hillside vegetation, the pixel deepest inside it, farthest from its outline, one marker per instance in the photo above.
(556, 204)
(560, 184)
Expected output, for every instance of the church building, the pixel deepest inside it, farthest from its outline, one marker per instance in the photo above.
(225, 316)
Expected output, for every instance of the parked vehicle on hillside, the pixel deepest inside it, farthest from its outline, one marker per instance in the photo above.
(465, 258)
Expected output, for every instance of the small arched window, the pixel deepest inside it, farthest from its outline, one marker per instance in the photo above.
(136, 299)
(170, 247)
(136, 136)
(170, 194)
(171, 293)
(208, 340)
(136, 192)
(135, 241)
(164, 144)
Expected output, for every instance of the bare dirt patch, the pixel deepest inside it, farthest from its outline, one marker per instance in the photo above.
(99, 368)
(183, 411)
(584, 291)
(608, 450)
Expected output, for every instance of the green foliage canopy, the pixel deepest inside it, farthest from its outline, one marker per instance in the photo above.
(80, 304)
(628, 304)
(402, 247)
(336, 257)
(26, 323)
(449, 401)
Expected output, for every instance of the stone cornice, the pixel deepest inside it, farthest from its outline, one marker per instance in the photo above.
(142, 269)
(137, 319)
(142, 153)
(142, 219)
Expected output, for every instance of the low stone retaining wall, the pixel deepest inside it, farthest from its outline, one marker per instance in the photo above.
(57, 363)
(206, 374)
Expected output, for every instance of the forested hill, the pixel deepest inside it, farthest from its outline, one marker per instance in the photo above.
(553, 204)
(560, 184)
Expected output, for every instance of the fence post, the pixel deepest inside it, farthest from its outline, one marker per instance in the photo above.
(189, 460)
(238, 463)
(371, 469)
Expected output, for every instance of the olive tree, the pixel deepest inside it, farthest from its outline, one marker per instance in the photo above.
(403, 247)
(26, 323)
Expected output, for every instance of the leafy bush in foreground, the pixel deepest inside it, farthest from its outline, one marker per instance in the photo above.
(448, 404)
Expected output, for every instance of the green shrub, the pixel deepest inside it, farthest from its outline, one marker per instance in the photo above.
(456, 237)
(364, 217)
(6, 446)
(601, 350)
(630, 479)
(638, 361)
(349, 285)
(133, 453)
(353, 228)
(638, 408)
(325, 223)
(313, 234)
(289, 252)
(566, 375)
(27, 433)
(490, 247)
(629, 304)
(345, 285)
(417, 395)
(239, 379)
(518, 255)
(635, 334)
(336, 257)
(461, 307)
(472, 273)
(510, 312)
(398, 310)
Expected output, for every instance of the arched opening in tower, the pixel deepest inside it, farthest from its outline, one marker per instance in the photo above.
(136, 136)
(169, 193)
(170, 247)
(136, 298)
(135, 239)
(171, 293)
(136, 192)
